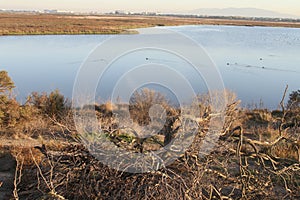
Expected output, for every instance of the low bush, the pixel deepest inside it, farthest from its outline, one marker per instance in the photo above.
(54, 105)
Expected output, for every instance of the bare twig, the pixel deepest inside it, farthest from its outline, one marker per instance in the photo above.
(18, 174)
(284, 112)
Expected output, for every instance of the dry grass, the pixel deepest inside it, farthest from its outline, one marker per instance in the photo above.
(257, 156)
(41, 24)
(241, 166)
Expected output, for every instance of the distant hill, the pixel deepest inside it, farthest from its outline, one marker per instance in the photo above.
(244, 12)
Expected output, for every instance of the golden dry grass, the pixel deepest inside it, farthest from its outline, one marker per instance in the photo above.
(36, 24)
(71, 166)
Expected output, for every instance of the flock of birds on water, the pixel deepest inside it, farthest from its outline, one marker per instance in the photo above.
(260, 67)
(239, 65)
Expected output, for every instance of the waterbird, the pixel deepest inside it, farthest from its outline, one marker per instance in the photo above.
(263, 67)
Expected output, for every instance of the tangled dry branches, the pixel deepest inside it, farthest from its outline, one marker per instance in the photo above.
(249, 161)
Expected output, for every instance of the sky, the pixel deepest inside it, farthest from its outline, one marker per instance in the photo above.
(284, 6)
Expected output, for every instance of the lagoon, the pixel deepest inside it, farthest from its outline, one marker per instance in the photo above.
(254, 62)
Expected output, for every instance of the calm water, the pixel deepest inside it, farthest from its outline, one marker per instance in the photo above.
(262, 60)
(255, 62)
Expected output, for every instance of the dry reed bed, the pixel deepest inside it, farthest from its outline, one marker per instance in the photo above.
(42, 24)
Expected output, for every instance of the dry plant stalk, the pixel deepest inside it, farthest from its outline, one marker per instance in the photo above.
(18, 173)
(241, 166)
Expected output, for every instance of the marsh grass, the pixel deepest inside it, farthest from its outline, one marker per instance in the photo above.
(45, 24)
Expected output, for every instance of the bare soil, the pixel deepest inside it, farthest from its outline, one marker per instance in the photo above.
(7, 170)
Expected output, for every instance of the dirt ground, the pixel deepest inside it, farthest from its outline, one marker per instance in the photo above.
(7, 169)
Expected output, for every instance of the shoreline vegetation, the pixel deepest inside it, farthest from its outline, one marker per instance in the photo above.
(257, 154)
(55, 24)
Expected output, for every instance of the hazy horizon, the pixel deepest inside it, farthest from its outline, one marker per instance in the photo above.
(291, 7)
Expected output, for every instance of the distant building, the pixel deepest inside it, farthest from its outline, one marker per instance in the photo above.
(50, 11)
(120, 12)
(148, 13)
(47, 11)
(65, 12)
(151, 13)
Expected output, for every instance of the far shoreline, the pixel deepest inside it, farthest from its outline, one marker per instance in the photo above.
(12, 24)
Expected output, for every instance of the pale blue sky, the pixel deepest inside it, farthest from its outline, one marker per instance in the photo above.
(284, 6)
